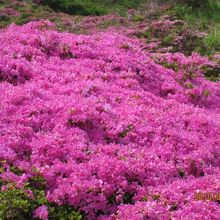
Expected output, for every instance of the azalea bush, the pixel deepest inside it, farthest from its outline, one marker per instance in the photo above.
(28, 201)
(114, 131)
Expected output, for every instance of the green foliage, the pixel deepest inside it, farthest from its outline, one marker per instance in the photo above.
(147, 34)
(17, 204)
(125, 131)
(107, 23)
(181, 173)
(112, 199)
(196, 3)
(156, 197)
(82, 7)
(128, 198)
(206, 93)
(212, 41)
(168, 39)
(211, 44)
(173, 66)
(203, 15)
(16, 170)
(145, 198)
(91, 7)
(64, 212)
(212, 74)
(138, 18)
(189, 85)
(174, 207)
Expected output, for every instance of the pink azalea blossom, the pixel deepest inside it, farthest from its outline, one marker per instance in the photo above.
(116, 131)
(41, 213)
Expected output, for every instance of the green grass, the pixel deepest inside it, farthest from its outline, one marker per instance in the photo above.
(29, 12)
(92, 7)
(49, 9)
(205, 17)
(82, 7)
(211, 43)
(17, 204)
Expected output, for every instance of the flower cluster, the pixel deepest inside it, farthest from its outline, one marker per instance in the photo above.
(114, 132)
(41, 213)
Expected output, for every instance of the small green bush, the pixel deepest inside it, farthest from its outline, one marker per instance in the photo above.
(17, 204)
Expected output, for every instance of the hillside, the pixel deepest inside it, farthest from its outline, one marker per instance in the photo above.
(110, 111)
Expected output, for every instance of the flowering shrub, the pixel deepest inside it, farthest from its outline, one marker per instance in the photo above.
(29, 201)
(174, 35)
(116, 132)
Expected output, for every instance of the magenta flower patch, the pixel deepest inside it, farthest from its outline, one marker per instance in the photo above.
(117, 132)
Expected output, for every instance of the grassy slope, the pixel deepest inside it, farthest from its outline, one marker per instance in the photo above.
(203, 18)
(92, 7)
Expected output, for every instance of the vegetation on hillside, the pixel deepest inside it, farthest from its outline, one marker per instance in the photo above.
(205, 16)
(109, 109)
(91, 7)
(202, 15)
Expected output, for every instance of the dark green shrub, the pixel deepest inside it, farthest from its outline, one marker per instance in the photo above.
(81, 7)
(91, 7)
(17, 204)
(196, 3)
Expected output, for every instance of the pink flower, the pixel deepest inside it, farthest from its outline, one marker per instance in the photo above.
(115, 130)
(41, 212)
